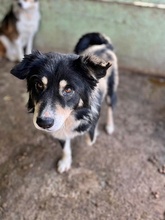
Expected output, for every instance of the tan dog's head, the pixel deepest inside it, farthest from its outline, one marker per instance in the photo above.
(26, 4)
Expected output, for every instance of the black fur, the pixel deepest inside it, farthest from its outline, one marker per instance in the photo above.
(91, 39)
(62, 143)
(111, 92)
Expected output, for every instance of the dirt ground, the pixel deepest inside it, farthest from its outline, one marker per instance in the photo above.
(121, 177)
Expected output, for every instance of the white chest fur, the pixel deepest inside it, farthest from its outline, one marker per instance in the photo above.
(67, 131)
(27, 25)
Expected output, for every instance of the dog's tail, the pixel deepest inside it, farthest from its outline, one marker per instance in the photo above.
(91, 39)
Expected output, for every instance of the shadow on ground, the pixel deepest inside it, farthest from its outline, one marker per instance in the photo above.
(121, 177)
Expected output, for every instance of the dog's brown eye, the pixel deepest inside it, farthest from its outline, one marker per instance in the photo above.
(67, 91)
(39, 86)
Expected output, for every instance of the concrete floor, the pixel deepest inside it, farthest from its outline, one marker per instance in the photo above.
(121, 177)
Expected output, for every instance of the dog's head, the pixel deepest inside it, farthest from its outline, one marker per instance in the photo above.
(26, 4)
(58, 84)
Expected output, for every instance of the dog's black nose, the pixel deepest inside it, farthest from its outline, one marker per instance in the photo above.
(45, 122)
(20, 4)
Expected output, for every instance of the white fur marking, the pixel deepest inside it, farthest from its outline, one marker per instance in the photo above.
(63, 83)
(110, 123)
(65, 163)
(44, 80)
(80, 104)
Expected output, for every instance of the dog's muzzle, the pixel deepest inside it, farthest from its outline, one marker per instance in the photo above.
(45, 122)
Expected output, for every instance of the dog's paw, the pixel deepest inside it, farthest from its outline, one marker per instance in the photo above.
(64, 164)
(109, 129)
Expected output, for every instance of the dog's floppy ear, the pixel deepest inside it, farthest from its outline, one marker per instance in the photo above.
(96, 66)
(21, 70)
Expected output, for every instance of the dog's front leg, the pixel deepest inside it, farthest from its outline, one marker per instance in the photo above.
(29, 45)
(19, 49)
(65, 162)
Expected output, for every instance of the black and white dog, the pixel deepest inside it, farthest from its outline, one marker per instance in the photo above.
(65, 94)
(18, 28)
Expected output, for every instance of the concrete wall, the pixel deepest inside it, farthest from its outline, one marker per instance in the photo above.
(138, 33)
